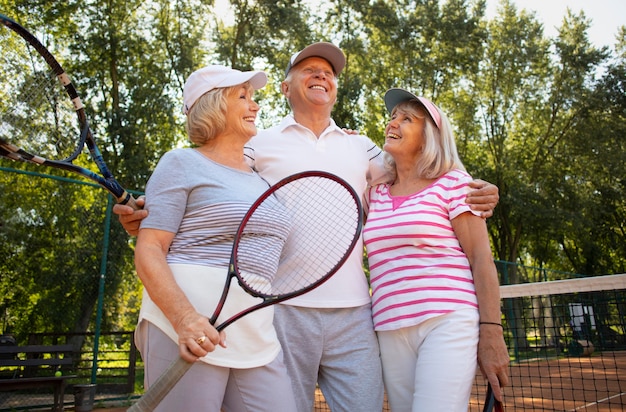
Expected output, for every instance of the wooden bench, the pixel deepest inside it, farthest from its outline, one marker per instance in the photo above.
(24, 362)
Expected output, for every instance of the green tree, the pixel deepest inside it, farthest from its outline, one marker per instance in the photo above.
(541, 118)
(593, 206)
(127, 60)
(425, 47)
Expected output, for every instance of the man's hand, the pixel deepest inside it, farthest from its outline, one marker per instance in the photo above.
(484, 197)
(131, 218)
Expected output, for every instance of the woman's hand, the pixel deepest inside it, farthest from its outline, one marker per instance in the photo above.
(493, 358)
(196, 336)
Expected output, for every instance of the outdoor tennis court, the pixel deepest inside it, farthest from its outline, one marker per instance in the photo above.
(567, 340)
(595, 383)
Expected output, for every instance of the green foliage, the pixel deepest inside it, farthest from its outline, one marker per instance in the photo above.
(543, 118)
(53, 243)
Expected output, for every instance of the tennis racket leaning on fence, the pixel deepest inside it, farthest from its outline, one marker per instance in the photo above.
(42, 119)
(324, 217)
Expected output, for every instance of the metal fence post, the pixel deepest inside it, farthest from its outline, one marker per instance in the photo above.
(103, 269)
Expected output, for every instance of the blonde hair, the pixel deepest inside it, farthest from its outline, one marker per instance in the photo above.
(207, 117)
(439, 153)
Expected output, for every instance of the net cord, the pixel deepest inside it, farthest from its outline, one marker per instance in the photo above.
(556, 287)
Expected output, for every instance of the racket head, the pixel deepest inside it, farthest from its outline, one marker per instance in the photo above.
(296, 235)
(42, 119)
(37, 114)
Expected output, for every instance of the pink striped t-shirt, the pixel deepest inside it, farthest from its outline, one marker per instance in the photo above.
(417, 267)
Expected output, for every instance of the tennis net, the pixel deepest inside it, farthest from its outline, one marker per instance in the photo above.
(567, 341)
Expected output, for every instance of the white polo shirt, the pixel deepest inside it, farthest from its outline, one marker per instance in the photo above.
(292, 148)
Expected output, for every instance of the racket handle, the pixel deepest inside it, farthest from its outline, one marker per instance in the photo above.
(157, 391)
(128, 200)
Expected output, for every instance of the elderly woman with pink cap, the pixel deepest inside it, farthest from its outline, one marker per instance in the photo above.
(196, 198)
(435, 291)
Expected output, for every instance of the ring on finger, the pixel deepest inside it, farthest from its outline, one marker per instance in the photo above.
(201, 340)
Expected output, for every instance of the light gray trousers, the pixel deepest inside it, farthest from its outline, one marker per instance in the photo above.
(336, 348)
(209, 388)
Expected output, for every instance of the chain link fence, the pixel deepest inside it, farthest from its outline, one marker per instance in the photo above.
(67, 276)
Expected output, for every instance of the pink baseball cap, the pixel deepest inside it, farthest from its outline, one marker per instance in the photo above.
(395, 96)
(326, 51)
(215, 77)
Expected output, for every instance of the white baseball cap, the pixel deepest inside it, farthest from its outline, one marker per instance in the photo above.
(215, 77)
(326, 51)
(395, 96)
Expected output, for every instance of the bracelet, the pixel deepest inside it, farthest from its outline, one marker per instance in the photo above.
(491, 323)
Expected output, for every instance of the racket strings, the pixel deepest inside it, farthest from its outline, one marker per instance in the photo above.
(36, 114)
(317, 239)
(261, 242)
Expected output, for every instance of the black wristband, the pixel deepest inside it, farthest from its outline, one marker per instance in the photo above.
(491, 323)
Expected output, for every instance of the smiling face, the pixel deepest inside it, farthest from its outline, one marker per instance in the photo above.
(311, 85)
(228, 112)
(241, 111)
(404, 134)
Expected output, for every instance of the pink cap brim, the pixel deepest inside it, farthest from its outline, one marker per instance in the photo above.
(393, 97)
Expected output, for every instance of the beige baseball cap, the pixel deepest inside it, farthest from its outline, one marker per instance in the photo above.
(325, 50)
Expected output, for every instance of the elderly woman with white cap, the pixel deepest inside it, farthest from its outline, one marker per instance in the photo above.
(435, 291)
(196, 198)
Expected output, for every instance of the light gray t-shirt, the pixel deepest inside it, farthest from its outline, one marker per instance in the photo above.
(201, 201)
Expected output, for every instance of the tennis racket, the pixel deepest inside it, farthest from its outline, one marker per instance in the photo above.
(323, 216)
(42, 119)
(491, 403)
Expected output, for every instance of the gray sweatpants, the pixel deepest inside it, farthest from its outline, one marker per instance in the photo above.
(338, 349)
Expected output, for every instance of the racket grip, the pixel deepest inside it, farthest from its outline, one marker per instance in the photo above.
(157, 391)
(128, 200)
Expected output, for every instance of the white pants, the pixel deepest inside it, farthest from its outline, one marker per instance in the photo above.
(431, 366)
